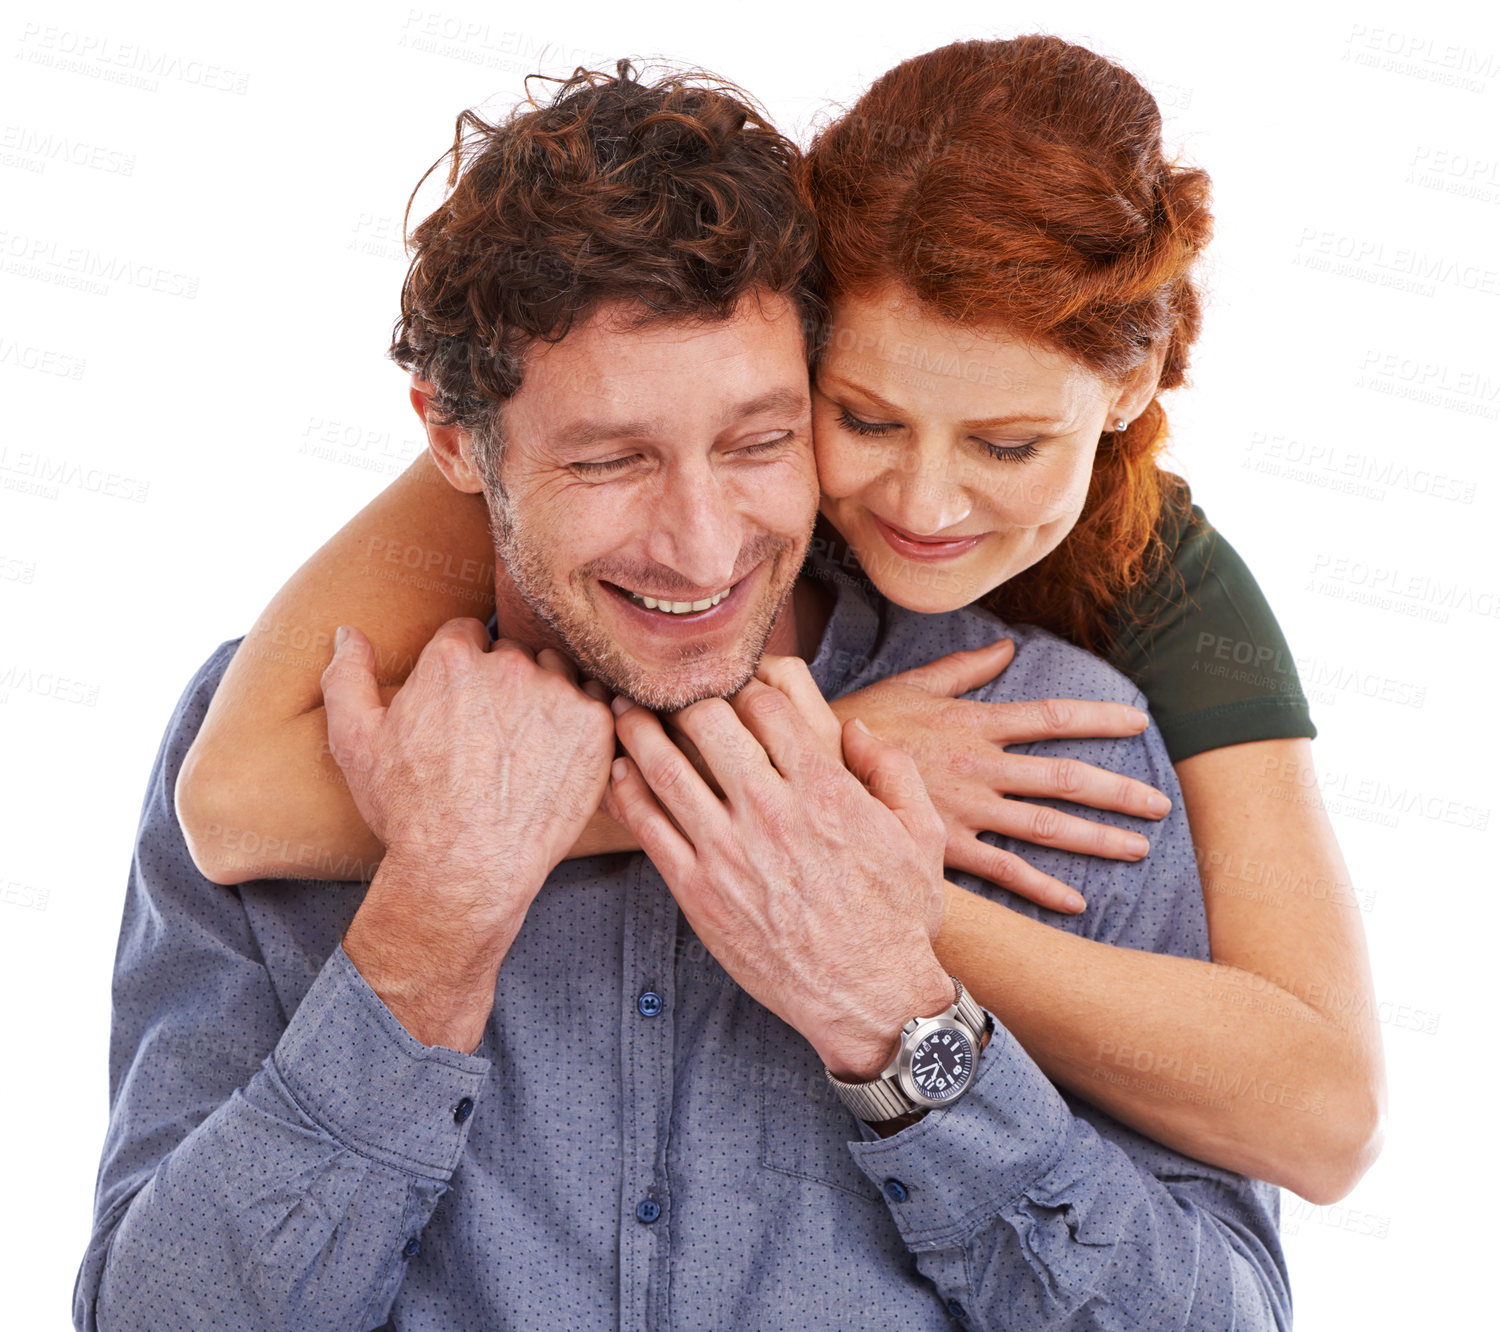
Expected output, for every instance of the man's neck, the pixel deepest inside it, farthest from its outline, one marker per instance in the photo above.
(514, 618)
(799, 628)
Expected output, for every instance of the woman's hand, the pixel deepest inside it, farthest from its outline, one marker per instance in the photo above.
(959, 747)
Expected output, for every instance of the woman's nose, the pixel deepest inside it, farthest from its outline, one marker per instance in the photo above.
(926, 495)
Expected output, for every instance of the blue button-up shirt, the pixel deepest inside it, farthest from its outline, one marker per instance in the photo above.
(636, 1143)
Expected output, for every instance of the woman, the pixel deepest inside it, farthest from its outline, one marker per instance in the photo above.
(1008, 260)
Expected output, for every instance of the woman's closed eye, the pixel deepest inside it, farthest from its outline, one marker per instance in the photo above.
(858, 426)
(1011, 452)
(879, 429)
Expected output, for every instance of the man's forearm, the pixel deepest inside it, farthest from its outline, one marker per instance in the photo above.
(300, 1201)
(436, 974)
(1024, 1215)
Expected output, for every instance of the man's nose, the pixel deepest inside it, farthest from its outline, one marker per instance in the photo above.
(696, 529)
(925, 491)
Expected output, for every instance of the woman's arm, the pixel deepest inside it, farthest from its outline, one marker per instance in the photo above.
(1287, 999)
(259, 795)
(1267, 1060)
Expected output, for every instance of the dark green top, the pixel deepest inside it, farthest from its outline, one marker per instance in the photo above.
(1203, 646)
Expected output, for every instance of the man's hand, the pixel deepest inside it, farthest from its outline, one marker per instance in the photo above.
(820, 898)
(478, 778)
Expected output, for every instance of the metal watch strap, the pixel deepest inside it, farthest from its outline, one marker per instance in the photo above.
(884, 1099)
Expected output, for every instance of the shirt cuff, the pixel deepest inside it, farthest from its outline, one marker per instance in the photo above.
(355, 1070)
(955, 1168)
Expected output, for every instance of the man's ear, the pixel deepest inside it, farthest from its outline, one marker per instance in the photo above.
(1135, 394)
(451, 445)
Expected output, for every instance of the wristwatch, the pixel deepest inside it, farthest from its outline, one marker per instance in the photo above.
(933, 1067)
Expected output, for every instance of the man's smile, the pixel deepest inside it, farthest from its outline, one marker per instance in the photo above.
(675, 607)
(695, 614)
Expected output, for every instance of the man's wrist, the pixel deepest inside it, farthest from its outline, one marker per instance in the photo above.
(431, 967)
(451, 1012)
(409, 870)
(887, 1128)
(865, 1046)
(471, 910)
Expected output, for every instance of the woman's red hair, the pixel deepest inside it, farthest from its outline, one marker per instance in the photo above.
(1022, 183)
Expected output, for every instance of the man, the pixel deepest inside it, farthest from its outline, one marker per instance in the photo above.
(506, 1090)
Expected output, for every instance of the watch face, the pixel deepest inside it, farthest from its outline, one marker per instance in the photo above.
(942, 1064)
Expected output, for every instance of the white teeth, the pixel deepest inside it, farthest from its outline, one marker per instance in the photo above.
(679, 607)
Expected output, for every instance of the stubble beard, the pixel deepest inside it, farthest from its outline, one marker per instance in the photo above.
(572, 619)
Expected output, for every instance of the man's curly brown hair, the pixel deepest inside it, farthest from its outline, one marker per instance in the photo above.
(677, 196)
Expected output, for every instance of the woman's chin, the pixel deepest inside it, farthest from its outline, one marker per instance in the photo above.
(929, 586)
(928, 589)
(924, 603)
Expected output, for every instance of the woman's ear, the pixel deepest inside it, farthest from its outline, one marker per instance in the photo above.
(452, 446)
(1136, 392)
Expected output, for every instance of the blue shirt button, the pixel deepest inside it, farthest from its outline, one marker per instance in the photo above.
(649, 1004)
(413, 1247)
(463, 1110)
(647, 1211)
(958, 1311)
(895, 1190)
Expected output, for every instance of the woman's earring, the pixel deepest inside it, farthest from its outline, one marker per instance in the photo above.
(1120, 423)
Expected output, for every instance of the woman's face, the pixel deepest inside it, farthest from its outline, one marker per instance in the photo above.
(952, 457)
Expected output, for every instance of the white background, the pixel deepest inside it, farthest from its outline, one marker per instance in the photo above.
(217, 403)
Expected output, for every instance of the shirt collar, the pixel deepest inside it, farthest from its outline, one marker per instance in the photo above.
(855, 623)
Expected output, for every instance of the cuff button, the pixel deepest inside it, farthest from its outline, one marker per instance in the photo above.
(463, 1110)
(895, 1190)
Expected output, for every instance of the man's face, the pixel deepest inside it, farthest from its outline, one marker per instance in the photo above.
(660, 492)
